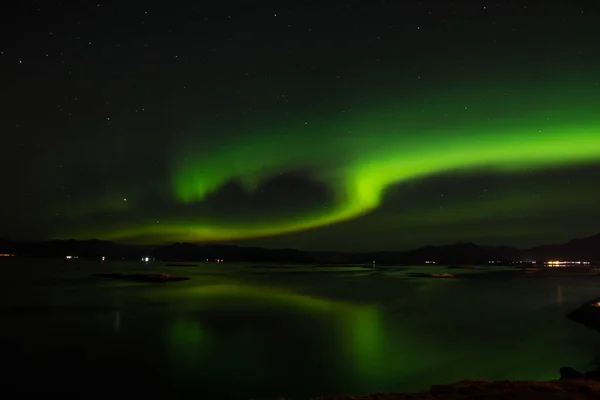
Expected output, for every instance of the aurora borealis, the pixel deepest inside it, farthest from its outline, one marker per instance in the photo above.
(338, 127)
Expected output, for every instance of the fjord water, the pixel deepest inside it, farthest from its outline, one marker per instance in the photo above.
(233, 331)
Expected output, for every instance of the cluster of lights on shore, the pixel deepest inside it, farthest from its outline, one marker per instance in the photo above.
(148, 259)
(103, 258)
(565, 263)
(548, 263)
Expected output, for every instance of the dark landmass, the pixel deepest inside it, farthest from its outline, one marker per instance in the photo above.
(90, 249)
(150, 278)
(229, 253)
(457, 255)
(567, 389)
(586, 249)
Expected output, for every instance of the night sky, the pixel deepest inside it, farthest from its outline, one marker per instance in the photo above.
(319, 125)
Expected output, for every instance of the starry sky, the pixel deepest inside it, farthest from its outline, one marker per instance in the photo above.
(317, 125)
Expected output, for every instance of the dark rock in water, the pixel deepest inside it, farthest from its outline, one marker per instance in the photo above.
(424, 275)
(145, 277)
(595, 375)
(181, 265)
(588, 315)
(570, 373)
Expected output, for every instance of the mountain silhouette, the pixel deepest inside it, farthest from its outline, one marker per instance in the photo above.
(460, 253)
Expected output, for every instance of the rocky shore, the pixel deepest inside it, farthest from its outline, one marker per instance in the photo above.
(564, 389)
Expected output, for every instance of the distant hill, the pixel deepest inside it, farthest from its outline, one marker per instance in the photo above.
(469, 253)
(187, 251)
(459, 253)
(96, 249)
(81, 248)
(6, 246)
(586, 248)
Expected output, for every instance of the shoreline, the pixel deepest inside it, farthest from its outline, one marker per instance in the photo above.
(564, 389)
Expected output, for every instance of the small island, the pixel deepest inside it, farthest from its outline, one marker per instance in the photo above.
(147, 278)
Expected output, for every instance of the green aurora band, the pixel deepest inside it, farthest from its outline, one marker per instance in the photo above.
(359, 152)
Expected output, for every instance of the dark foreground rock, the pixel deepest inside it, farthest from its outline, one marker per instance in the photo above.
(572, 389)
(152, 278)
(570, 373)
(588, 314)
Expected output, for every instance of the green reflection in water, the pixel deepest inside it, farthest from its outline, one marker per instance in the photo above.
(364, 340)
(188, 336)
(240, 320)
(248, 337)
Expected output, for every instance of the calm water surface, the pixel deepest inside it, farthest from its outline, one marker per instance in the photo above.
(238, 332)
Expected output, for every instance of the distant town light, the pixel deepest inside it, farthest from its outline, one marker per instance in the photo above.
(103, 258)
(556, 263)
